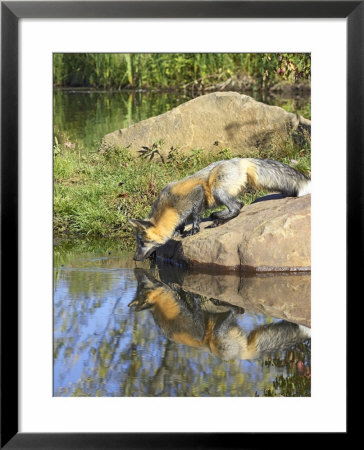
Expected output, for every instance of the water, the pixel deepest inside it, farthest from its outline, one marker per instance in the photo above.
(121, 331)
(83, 117)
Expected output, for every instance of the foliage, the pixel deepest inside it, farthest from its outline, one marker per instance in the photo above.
(268, 67)
(172, 70)
(147, 152)
(297, 380)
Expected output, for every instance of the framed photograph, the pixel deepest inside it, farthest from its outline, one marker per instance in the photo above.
(100, 351)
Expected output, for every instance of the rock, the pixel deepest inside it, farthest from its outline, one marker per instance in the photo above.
(271, 235)
(288, 90)
(210, 122)
(237, 83)
(285, 296)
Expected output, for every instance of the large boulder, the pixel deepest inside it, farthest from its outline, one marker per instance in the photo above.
(210, 122)
(267, 236)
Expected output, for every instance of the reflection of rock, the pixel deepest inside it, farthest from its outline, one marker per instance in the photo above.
(269, 235)
(238, 83)
(210, 122)
(283, 296)
(288, 90)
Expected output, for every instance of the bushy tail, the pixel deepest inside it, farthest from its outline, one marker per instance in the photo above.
(278, 336)
(277, 176)
(305, 189)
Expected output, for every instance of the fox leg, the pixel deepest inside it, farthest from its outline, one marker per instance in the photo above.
(196, 219)
(198, 204)
(226, 213)
(179, 230)
(233, 208)
(233, 308)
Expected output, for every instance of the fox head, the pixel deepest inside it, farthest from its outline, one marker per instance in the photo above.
(145, 245)
(146, 286)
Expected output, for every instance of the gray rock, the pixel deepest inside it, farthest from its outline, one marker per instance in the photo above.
(210, 122)
(267, 236)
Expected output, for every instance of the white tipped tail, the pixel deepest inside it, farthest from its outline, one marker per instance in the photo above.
(305, 331)
(306, 189)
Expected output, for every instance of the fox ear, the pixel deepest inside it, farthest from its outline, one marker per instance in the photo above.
(140, 224)
(134, 302)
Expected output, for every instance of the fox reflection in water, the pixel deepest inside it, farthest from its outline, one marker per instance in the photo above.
(210, 325)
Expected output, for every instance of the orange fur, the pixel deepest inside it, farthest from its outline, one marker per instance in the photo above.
(252, 177)
(163, 225)
(186, 339)
(210, 185)
(209, 339)
(165, 302)
(250, 345)
(183, 187)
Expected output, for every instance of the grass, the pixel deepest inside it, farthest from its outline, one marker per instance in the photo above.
(175, 70)
(94, 195)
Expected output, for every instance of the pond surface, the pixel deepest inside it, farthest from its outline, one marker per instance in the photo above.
(84, 117)
(162, 331)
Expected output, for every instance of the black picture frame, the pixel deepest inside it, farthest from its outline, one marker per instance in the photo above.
(11, 12)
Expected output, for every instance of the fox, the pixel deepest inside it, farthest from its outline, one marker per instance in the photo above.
(211, 325)
(218, 184)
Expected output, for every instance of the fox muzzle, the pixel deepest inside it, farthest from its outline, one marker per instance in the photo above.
(140, 256)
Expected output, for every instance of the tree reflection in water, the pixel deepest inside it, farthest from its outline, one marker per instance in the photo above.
(168, 342)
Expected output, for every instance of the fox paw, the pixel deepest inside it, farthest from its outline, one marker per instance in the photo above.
(216, 223)
(237, 309)
(190, 232)
(213, 216)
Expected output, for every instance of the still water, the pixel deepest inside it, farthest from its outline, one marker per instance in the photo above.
(84, 117)
(163, 331)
